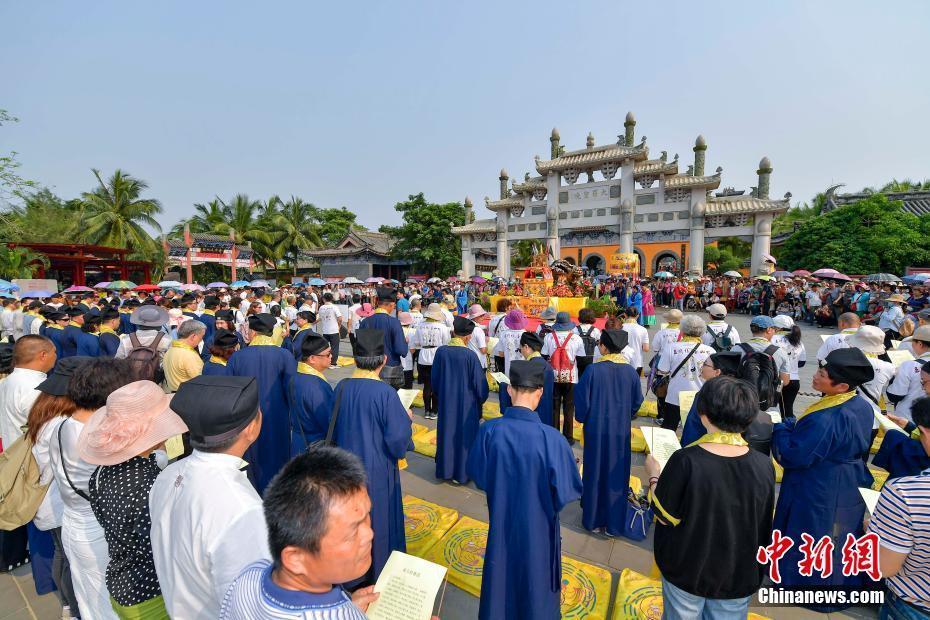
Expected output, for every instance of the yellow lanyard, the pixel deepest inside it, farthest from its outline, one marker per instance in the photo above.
(217, 360)
(107, 330)
(73, 324)
(366, 374)
(381, 311)
(534, 354)
(828, 401)
(691, 339)
(210, 312)
(304, 328)
(306, 369)
(616, 358)
(177, 344)
(732, 439)
(456, 342)
(261, 340)
(54, 326)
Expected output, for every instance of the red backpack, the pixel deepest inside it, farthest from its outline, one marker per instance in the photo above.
(561, 364)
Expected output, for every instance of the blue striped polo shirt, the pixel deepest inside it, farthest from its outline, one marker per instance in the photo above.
(255, 596)
(902, 522)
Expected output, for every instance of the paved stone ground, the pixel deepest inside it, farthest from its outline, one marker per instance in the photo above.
(18, 599)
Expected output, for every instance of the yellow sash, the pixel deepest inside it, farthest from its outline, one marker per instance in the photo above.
(178, 344)
(828, 401)
(691, 339)
(456, 342)
(366, 374)
(74, 324)
(534, 354)
(210, 312)
(261, 340)
(381, 311)
(307, 369)
(54, 326)
(107, 330)
(732, 439)
(616, 358)
(217, 360)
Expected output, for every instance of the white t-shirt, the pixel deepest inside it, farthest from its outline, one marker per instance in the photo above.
(834, 342)
(328, 319)
(574, 348)
(796, 354)
(664, 337)
(449, 317)
(427, 337)
(17, 394)
(406, 362)
(720, 328)
(508, 346)
(884, 373)
(813, 299)
(907, 384)
(689, 377)
(638, 337)
(479, 341)
(353, 319)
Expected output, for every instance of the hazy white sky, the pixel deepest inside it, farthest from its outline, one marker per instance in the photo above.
(360, 104)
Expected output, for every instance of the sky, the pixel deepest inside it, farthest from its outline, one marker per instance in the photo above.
(360, 104)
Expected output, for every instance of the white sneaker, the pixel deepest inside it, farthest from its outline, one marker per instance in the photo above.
(66, 613)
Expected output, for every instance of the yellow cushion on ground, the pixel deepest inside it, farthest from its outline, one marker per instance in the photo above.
(418, 400)
(877, 443)
(640, 598)
(585, 590)
(425, 443)
(345, 361)
(418, 428)
(491, 410)
(649, 408)
(461, 550)
(425, 524)
(779, 470)
(492, 384)
(880, 476)
(637, 441)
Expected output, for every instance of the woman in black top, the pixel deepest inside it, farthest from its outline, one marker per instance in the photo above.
(714, 502)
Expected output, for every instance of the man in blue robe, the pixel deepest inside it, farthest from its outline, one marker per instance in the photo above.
(225, 344)
(530, 346)
(109, 339)
(55, 328)
(312, 395)
(373, 424)
(72, 332)
(395, 345)
(88, 341)
(126, 325)
(906, 454)
(529, 474)
(225, 319)
(606, 399)
(189, 306)
(821, 452)
(274, 368)
(208, 318)
(304, 321)
(461, 388)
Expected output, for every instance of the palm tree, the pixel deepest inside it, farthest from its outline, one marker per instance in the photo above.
(113, 213)
(295, 230)
(240, 216)
(20, 262)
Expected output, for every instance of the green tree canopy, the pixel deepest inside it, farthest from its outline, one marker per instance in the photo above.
(426, 238)
(335, 224)
(42, 218)
(113, 213)
(521, 254)
(20, 262)
(720, 259)
(295, 230)
(869, 236)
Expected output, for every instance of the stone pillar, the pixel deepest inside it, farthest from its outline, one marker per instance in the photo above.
(469, 213)
(554, 148)
(503, 178)
(696, 254)
(629, 126)
(553, 243)
(761, 243)
(503, 249)
(626, 226)
(468, 256)
(765, 173)
(700, 147)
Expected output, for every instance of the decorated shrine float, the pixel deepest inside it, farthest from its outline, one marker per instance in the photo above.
(543, 285)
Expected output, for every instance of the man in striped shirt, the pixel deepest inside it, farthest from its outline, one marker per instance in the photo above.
(319, 533)
(902, 522)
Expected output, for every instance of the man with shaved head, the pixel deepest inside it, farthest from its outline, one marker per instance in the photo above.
(848, 322)
(33, 357)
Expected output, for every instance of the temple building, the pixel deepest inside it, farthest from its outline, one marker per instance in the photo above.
(638, 204)
(360, 254)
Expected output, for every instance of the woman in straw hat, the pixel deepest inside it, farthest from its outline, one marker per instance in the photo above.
(121, 438)
(892, 319)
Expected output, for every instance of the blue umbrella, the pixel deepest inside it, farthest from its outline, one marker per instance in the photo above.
(258, 284)
(917, 278)
(317, 282)
(664, 274)
(37, 294)
(8, 286)
(239, 284)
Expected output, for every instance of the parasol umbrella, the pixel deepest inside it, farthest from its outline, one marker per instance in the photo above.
(121, 284)
(36, 294)
(78, 289)
(664, 274)
(147, 287)
(917, 278)
(259, 284)
(393, 281)
(768, 258)
(602, 276)
(374, 280)
(825, 273)
(239, 284)
(6, 285)
(352, 280)
(801, 272)
(102, 284)
(733, 274)
(217, 285)
(191, 287)
(881, 277)
(782, 274)
(764, 278)
(478, 280)
(169, 284)
(316, 282)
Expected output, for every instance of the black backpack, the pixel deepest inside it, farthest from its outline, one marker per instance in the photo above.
(760, 370)
(144, 360)
(588, 341)
(721, 341)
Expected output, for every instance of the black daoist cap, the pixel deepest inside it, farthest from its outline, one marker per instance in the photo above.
(216, 408)
(526, 374)
(851, 366)
(369, 343)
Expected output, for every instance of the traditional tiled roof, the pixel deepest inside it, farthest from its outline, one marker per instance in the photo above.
(684, 180)
(357, 242)
(506, 203)
(916, 202)
(208, 242)
(585, 159)
(530, 185)
(478, 226)
(656, 166)
(744, 204)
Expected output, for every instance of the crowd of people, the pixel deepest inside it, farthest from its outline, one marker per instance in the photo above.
(193, 460)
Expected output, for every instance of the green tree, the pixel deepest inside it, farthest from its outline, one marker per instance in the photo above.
(425, 238)
(869, 236)
(42, 218)
(11, 183)
(20, 262)
(720, 259)
(113, 213)
(240, 216)
(295, 230)
(521, 253)
(335, 224)
(795, 216)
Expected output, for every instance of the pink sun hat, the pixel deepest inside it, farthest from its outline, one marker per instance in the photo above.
(515, 319)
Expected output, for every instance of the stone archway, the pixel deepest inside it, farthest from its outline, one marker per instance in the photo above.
(667, 260)
(642, 261)
(595, 263)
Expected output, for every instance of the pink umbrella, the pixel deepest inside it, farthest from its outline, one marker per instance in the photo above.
(801, 272)
(78, 289)
(831, 274)
(191, 287)
(374, 280)
(769, 258)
